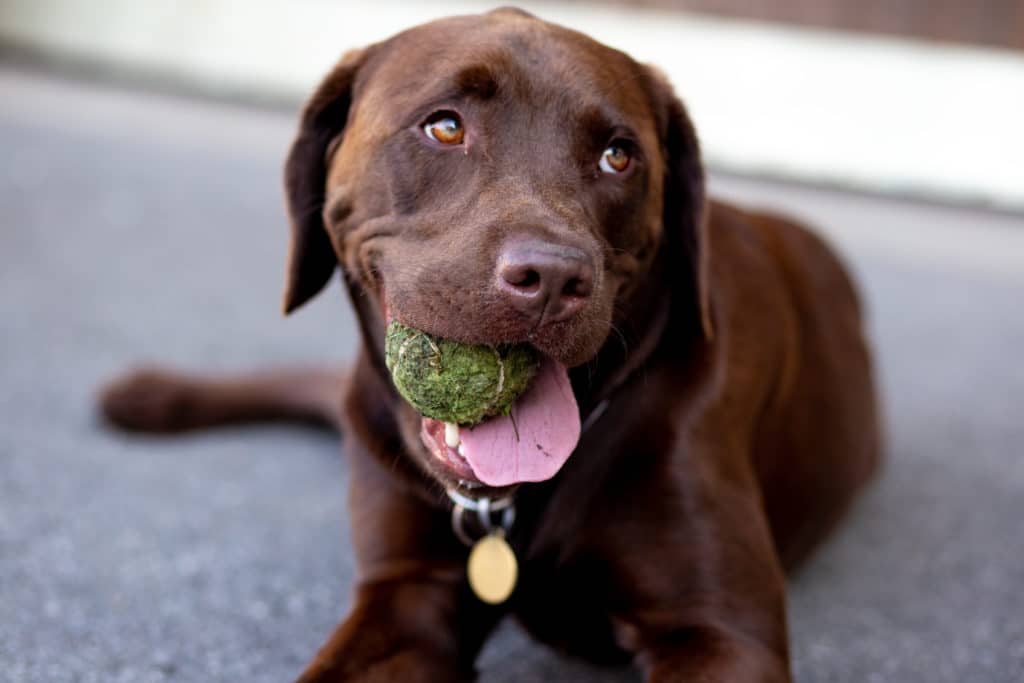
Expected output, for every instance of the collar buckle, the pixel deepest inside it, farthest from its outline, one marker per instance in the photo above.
(491, 516)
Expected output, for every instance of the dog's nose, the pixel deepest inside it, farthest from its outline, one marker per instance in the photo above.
(550, 282)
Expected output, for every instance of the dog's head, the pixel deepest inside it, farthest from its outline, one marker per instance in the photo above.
(498, 179)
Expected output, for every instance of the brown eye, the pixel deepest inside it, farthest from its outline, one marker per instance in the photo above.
(445, 127)
(614, 159)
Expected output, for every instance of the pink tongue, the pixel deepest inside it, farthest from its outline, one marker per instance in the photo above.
(546, 429)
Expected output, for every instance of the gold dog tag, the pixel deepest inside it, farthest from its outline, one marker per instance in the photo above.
(492, 568)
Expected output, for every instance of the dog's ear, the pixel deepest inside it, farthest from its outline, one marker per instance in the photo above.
(311, 260)
(685, 215)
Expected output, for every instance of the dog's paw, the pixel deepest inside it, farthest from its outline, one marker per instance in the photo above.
(149, 400)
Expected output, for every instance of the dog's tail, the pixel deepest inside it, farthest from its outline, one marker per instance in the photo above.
(167, 401)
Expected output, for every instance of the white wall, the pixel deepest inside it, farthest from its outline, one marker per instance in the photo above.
(879, 114)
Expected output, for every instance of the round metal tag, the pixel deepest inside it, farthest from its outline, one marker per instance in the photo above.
(492, 569)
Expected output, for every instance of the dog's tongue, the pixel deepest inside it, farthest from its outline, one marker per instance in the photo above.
(533, 442)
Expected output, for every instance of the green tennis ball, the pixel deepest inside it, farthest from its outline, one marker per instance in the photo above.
(454, 382)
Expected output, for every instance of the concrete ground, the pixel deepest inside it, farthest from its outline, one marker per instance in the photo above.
(142, 227)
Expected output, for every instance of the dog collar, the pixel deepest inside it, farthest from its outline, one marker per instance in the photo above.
(491, 514)
(492, 568)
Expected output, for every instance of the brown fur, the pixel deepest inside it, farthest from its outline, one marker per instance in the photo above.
(742, 415)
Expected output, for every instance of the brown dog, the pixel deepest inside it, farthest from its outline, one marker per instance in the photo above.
(497, 179)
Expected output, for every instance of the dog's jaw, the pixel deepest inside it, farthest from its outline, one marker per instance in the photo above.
(529, 444)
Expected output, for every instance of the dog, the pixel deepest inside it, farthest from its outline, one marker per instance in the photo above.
(704, 412)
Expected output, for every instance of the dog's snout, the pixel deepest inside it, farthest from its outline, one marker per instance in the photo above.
(550, 282)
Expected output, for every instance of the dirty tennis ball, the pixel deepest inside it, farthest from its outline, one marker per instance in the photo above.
(454, 382)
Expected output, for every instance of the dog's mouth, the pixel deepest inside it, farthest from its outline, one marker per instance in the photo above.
(530, 444)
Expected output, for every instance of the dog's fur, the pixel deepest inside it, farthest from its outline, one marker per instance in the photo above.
(741, 412)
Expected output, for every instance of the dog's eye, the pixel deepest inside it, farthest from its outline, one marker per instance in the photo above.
(614, 159)
(445, 127)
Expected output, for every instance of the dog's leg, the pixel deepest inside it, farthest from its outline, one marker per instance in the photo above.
(716, 655)
(157, 400)
(728, 642)
(699, 592)
(406, 630)
(414, 618)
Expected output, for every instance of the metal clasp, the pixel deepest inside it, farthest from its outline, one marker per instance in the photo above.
(486, 510)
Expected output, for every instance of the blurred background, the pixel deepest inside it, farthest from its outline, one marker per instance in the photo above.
(141, 219)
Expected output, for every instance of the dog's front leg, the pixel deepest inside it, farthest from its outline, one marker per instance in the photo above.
(723, 640)
(414, 619)
(713, 654)
(698, 590)
(403, 630)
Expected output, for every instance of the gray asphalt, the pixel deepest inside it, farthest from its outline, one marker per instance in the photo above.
(142, 227)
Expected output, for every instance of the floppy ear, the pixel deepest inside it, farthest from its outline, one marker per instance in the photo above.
(685, 216)
(311, 260)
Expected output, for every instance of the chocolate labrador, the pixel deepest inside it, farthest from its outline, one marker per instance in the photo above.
(704, 412)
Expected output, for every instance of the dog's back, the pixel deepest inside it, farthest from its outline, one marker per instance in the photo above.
(820, 435)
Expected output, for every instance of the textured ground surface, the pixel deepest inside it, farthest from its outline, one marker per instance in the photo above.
(136, 227)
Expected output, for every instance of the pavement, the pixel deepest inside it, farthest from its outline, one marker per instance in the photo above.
(136, 226)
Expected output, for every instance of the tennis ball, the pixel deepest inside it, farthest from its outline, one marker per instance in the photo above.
(454, 382)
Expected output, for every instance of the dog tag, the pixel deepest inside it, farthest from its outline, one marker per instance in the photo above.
(492, 568)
